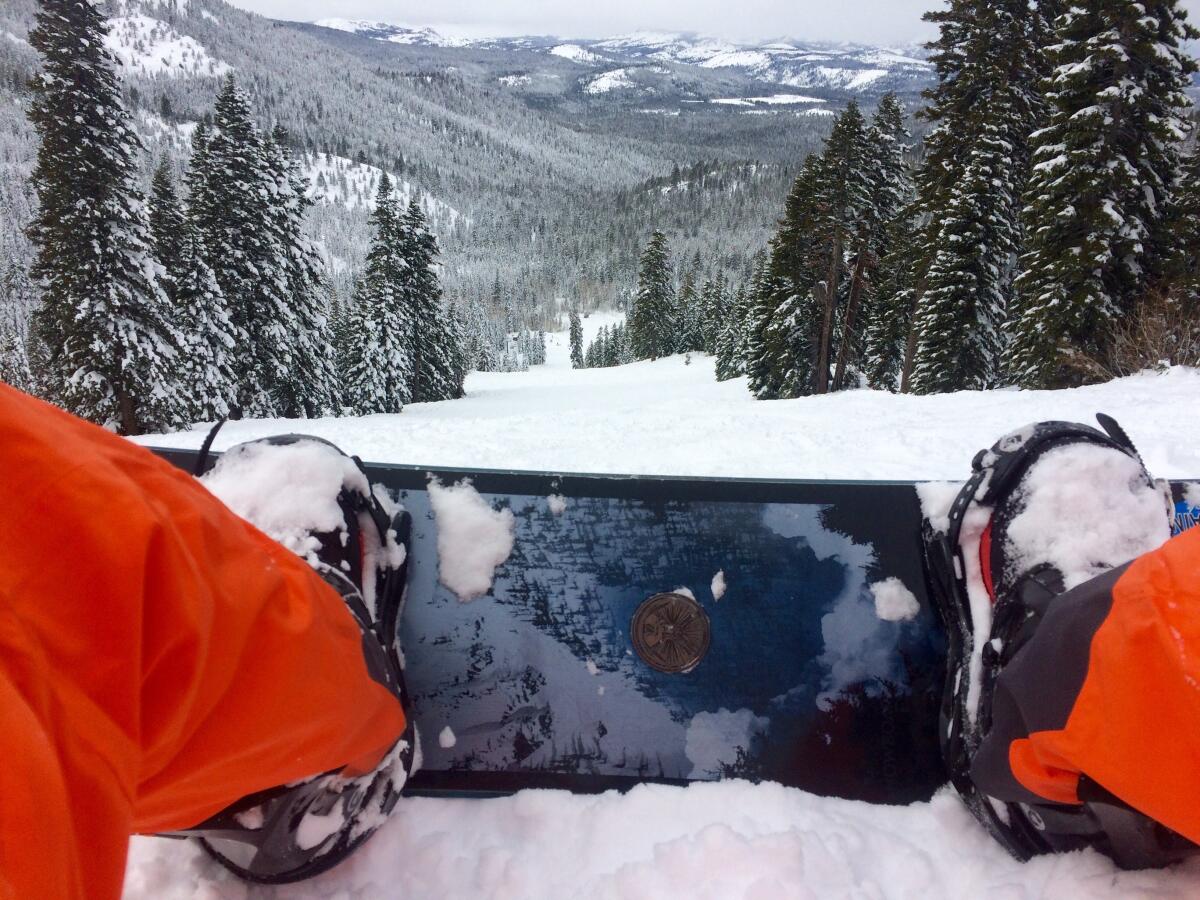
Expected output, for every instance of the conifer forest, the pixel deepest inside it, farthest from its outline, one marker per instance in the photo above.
(206, 213)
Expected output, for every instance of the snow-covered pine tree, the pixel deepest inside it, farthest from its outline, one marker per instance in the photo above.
(309, 388)
(211, 340)
(576, 338)
(1104, 168)
(14, 361)
(887, 321)
(167, 225)
(786, 321)
(1181, 276)
(843, 227)
(103, 319)
(729, 351)
(969, 280)
(714, 305)
(433, 345)
(377, 369)
(230, 205)
(652, 325)
(690, 313)
(769, 325)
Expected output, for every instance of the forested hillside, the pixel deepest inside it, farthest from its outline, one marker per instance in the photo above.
(529, 187)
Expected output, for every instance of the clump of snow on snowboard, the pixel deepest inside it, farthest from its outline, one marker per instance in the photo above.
(893, 601)
(473, 539)
(718, 585)
(557, 504)
(447, 738)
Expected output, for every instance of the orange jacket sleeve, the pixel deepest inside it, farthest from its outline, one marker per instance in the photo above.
(1135, 726)
(159, 657)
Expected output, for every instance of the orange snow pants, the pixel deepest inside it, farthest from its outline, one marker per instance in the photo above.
(1108, 687)
(159, 657)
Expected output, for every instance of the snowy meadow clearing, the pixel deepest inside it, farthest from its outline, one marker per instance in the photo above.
(733, 839)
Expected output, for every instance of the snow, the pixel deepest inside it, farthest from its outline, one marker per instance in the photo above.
(557, 504)
(710, 841)
(447, 738)
(615, 420)
(576, 54)
(147, 46)
(473, 538)
(514, 80)
(9, 36)
(1087, 510)
(893, 601)
(773, 100)
(615, 79)
(288, 491)
(718, 586)
(336, 180)
(729, 839)
(742, 59)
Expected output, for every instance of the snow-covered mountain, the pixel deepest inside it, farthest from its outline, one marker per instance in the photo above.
(848, 68)
(394, 34)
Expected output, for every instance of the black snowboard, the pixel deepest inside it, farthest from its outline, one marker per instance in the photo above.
(601, 657)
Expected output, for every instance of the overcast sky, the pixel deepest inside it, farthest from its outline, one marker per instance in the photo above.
(870, 21)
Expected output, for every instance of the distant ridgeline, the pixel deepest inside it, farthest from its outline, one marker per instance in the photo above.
(1048, 234)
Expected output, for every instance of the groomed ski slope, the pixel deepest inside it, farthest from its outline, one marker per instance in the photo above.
(726, 840)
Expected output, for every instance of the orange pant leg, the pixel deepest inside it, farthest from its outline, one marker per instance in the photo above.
(1135, 726)
(159, 657)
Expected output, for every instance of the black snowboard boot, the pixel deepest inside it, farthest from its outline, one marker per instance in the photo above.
(1048, 509)
(317, 501)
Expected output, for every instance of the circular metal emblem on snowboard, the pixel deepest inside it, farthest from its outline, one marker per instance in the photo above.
(671, 633)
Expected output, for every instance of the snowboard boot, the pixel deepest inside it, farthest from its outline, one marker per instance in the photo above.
(317, 501)
(1047, 509)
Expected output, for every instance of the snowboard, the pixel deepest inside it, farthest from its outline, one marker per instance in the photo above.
(675, 630)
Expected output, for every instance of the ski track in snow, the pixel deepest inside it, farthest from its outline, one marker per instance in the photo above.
(721, 840)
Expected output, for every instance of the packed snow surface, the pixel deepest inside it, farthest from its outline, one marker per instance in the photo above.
(723, 840)
(473, 538)
(669, 417)
(893, 601)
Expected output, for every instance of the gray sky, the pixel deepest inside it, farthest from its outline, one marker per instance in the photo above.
(868, 21)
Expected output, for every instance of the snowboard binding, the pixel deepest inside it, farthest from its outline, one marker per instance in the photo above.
(994, 571)
(297, 831)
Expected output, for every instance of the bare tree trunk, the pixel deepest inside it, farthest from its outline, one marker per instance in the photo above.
(126, 414)
(858, 283)
(825, 348)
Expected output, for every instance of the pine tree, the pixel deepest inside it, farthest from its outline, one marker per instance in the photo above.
(309, 388)
(167, 225)
(434, 341)
(211, 341)
(103, 319)
(14, 361)
(729, 349)
(887, 321)
(969, 280)
(576, 341)
(377, 369)
(689, 313)
(1104, 168)
(652, 323)
(1181, 277)
(229, 204)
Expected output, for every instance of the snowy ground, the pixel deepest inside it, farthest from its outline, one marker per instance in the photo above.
(710, 840)
(671, 418)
